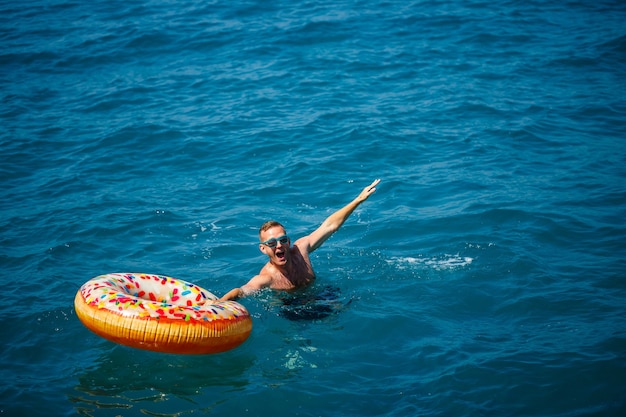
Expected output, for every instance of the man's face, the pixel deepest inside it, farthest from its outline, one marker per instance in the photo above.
(277, 251)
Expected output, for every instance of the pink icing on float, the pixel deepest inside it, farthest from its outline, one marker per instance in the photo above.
(160, 313)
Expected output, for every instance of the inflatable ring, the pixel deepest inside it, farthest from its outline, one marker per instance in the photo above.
(162, 314)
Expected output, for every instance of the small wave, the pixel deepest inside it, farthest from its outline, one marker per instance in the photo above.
(442, 262)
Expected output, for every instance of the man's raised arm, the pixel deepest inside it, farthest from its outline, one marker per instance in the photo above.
(335, 220)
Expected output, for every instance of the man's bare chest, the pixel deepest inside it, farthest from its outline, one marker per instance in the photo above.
(292, 280)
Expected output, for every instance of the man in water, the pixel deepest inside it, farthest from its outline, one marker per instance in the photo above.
(289, 267)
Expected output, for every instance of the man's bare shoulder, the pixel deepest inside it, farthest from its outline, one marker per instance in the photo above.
(302, 245)
(257, 282)
(268, 271)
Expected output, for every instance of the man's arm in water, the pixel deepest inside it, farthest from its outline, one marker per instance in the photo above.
(334, 221)
(257, 282)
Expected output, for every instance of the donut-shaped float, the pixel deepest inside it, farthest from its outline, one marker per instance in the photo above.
(160, 313)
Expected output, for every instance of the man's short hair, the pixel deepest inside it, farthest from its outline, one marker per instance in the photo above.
(268, 225)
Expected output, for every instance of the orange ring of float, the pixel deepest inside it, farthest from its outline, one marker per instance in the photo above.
(160, 313)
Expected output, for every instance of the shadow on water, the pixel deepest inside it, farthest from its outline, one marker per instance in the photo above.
(312, 304)
(135, 382)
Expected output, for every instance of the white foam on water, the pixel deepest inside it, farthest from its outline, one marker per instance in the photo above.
(442, 262)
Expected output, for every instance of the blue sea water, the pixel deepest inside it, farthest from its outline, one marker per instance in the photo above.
(485, 277)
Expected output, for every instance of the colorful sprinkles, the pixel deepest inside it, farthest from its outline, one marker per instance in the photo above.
(157, 297)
